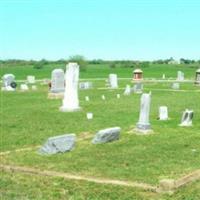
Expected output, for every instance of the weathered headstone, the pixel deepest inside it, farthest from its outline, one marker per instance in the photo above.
(58, 144)
(138, 88)
(176, 86)
(71, 102)
(24, 87)
(180, 76)
(57, 81)
(85, 85)
(107, 135)
(187, 118)
(127, 90)
(31, 79)
(113, 81)
(9, 83)
(163, 113)
(143, 124)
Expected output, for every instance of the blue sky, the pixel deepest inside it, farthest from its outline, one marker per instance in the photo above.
(107, 29)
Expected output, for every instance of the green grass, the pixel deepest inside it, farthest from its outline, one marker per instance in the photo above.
(100, 71)
(29, 118)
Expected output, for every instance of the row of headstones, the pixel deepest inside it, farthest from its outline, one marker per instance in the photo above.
(9, 83)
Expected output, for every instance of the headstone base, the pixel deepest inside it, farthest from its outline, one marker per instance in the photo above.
(63, 109)
(55, 95)
(138, 131)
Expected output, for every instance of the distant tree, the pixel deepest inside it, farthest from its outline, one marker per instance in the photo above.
(112, 65)
(80, 60)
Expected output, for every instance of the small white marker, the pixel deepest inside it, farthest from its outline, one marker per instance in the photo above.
(118, 96)
(89, 115)
(103, 97)
(87, 98)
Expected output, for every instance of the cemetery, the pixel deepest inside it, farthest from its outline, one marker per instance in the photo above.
(143, 133)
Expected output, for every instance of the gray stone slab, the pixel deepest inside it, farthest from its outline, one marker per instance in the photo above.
(58, 144)
(107, 135)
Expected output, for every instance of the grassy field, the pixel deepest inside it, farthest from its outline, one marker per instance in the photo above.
(101, 71)
(28, 119)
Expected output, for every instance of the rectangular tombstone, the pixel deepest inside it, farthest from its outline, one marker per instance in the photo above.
(143, 123)
(85, 85)
(163, 113)
(187, 117)
(180, 76)
(57, 81)
(176, 86)
(138, 88)
(113, 81)
(31, 79)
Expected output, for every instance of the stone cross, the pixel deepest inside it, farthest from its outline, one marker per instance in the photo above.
(57, 81)
(187, 118)
(71, 102)
(143, 123)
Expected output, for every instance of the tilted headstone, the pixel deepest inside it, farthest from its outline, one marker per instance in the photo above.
(57, 81)
(163, 113)
(24, 87)
(138, 88)
(58, 144)
(9, 83)
(176, 86)
(71, 102)
(143, 123)
(127, 90)
(31, 79)
(85, 85)
(187, 118)
(180, 76)
(107, 135)
(113, 81)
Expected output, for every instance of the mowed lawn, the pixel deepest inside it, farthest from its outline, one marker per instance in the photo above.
(29, 118)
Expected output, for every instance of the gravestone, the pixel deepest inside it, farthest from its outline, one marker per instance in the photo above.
(113, 81)
(31, 79)
(163, 76)
(118, 96)
(107, 135)
(89, 115)
(57, 81)
(9, 83)
(87, 98)
(143, 124)
(103, 97)
(127, 90)
(24, 87)
(187, 118)
(138, 88)
(71, 102)
(163, 113)
(180, 76)
(176, 86)
(85, 85)
(58, 144)
(34, 87)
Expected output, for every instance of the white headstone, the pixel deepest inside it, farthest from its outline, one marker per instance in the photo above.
(138, 88)
(57, 81)
(8, 79)
(143, 123)
(175, 86)
(113, 81)
(89, 115)
(118, 96)
(87, 98)
(163, 113)
(163, 76)
(71, 101)
(24, 87)
(103, 97)
(31, 79)
(180, 76)
(187, 118)
(85, 85)
(127, 90)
